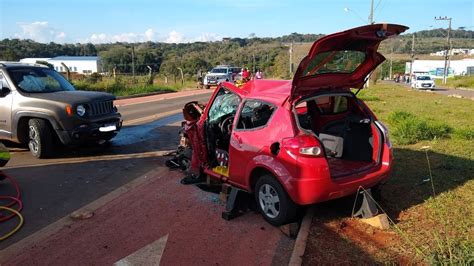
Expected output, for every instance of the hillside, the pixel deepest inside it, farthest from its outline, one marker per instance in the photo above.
(269, 54)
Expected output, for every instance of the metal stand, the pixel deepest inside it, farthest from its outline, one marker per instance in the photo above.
(368, 209)
(237, 203)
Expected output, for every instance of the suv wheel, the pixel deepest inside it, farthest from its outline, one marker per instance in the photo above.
(273, 202)
(40, 138)
(207, 87)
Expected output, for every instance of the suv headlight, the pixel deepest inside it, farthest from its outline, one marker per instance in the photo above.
(80, 110)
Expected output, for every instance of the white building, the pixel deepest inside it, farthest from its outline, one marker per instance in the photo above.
(435, 68)
(79, 64)
(454, 51)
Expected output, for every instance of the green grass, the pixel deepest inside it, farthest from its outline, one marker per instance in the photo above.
(126, 86)
(463, 82)
(439, 224)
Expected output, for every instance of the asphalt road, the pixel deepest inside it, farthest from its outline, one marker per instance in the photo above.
(53, 188)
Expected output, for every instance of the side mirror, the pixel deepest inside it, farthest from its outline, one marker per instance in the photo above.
(4, 91)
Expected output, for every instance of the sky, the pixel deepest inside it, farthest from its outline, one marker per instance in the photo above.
(177, 21)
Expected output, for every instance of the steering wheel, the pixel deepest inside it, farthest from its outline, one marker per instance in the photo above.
(226, 125)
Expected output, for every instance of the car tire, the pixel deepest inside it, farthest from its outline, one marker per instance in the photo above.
(207, 87)
(40, 138)
(273, 202)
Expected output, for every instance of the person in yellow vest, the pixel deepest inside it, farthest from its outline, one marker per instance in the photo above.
(4, 155)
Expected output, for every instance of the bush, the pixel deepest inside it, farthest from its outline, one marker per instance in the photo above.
(464, 133)
(409, 129)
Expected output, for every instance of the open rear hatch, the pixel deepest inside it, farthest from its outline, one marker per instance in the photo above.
(342, 60)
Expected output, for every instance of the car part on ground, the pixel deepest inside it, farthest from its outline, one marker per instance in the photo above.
(8, 207)
(39, 107)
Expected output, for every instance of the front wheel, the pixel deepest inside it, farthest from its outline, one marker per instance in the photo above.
(40, 138)
(207, 87)
(273, 202)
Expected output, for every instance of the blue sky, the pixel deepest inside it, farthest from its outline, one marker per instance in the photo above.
(71, 21)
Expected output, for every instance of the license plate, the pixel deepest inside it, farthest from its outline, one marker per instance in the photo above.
(426, 85)
(212, 81)
(108, 128)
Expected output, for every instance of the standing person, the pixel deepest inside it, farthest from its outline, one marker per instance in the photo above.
(259, 74)
(245, 75)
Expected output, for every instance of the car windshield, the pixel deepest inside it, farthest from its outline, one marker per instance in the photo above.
(39, 80)
(219, 70)
(423, 78)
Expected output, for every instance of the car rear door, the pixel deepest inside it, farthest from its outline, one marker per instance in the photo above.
(342, 60)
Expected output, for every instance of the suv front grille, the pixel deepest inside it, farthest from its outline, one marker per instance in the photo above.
(100, 108)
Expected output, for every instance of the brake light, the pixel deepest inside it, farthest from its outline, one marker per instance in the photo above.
(386, 135)
(304, 145)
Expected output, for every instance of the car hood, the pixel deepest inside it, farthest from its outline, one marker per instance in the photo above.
(342, 60)
(74, 97)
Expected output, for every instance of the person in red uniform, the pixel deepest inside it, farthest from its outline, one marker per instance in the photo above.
(245, 75)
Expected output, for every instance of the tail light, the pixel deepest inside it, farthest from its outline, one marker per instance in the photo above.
(386, 135)
(304, 145)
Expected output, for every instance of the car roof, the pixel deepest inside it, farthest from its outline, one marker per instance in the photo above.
(273, 91)
(9, 64)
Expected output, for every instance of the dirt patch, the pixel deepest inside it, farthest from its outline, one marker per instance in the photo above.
(337, 239)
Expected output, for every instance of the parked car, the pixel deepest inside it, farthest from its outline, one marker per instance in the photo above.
(423, 82)
(301, 141)
(38, 106)
(220, 74)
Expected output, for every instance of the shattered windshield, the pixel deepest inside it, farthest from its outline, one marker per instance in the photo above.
(39, 80)
(225, 103)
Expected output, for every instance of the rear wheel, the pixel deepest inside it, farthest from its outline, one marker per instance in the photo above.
(40, 137)
(207, 87)
(273, 202)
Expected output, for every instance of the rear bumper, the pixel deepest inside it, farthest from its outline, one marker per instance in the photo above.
(309, 189)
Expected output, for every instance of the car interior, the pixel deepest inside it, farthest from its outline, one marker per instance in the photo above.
(350, 138)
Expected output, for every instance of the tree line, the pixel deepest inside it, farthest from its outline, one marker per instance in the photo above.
(268, 54)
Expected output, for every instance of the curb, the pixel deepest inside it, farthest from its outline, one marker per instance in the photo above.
(300, 243)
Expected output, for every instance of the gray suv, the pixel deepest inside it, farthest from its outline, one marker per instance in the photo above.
(221, 73)
(39, 106)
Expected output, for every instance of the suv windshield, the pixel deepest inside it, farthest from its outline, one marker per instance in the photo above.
(39, 80)
(423, 78)
(219, 70)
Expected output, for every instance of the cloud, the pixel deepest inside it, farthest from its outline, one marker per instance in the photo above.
(40, 31)
(175, 37)
(207, 37)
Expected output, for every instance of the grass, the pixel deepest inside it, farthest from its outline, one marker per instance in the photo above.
(126, 86)
(463, 82)
(440, 223)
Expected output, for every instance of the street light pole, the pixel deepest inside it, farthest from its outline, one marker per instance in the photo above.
(371, 16)
(448, 48)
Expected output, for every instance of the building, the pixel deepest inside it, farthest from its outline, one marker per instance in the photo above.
(80, 64)
(435, 68)
(454, 51)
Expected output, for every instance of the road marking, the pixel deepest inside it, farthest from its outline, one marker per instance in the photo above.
(151, 118)
(95, 158)
(164, 98)
(149, 255)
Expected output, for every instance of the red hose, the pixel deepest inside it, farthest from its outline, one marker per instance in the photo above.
(13, 199)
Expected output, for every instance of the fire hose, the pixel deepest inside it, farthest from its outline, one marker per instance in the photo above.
(7, 211)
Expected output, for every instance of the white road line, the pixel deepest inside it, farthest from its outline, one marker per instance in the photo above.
(149, 255)
(151, 117)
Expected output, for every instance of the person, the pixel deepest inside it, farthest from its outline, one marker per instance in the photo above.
(199, 78)
(258, 74)
(245, 75)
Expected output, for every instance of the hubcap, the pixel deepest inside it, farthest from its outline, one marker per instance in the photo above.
(269, 201)
(34, 139)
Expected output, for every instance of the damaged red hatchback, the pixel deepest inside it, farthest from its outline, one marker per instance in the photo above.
(298, 142)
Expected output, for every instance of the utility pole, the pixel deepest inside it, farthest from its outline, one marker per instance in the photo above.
(412, 56)
(391, 60)
(371, 16)
(133, 62)
(291, 59)
(448, 48)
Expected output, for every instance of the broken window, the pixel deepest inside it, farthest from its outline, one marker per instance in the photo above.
(255, 114)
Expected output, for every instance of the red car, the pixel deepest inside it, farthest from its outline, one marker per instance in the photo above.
(301, 141)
